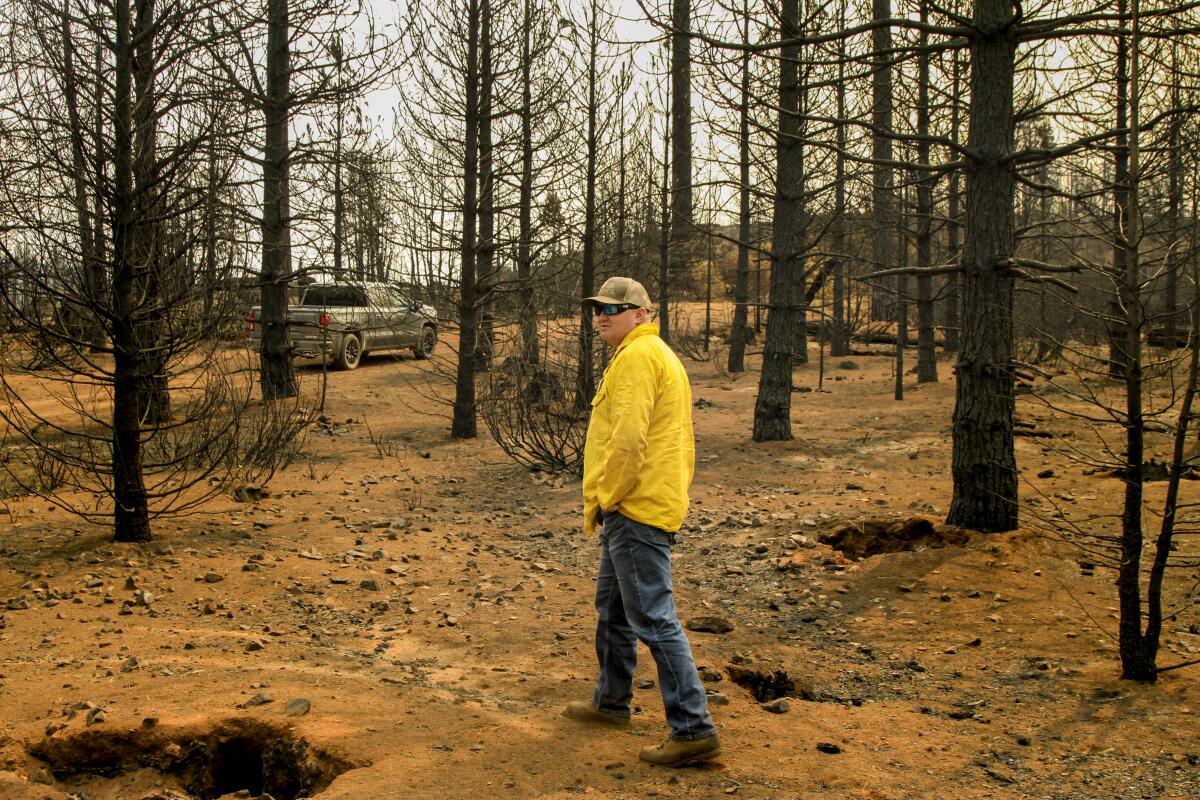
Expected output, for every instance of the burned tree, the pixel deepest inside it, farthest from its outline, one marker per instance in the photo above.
(108, 324)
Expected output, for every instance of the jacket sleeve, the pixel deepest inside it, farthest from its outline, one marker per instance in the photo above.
(591, 517)
(633, 396)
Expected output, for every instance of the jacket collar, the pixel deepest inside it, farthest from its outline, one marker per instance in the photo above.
(645, 329)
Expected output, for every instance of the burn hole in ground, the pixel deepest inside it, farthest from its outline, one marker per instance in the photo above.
(873, 536)
(767, 685)
(198, 763)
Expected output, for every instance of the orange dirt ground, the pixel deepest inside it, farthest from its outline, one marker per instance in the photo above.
(431, 600)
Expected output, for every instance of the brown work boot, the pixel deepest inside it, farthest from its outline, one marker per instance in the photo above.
(682, 754)
(583, 711)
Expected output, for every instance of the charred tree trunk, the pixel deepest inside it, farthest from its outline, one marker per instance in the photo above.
(664, 238)
(99, 277)
(1120, 221)
(1174, 205)
(901, 318)
(772, 410)
(681, 155)
(463, 424)
(91, 278)
(741, 293)
(277, 375)
(154, 399)
(131, 515)
(953, 222)
(883, 200)
(527, 309)
(1050, 337)
(799, 298)
(1138, 648)
(585, 379)
(926, 347)
(708, 281)
(339, 189)
(839, 340)
(209, 267)
(983, 462)
(487, 196)
(622, 177)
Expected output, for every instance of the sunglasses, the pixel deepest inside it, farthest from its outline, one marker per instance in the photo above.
(611, 309)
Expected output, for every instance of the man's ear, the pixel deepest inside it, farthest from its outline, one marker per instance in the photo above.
(641, 315)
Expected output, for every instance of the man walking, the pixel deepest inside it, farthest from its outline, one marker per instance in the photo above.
(637, 467)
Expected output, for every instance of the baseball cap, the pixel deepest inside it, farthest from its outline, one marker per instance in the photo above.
(620, 290)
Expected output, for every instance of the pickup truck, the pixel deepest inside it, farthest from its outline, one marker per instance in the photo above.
(349, 320)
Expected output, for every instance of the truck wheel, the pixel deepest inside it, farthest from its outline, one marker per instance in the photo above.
(428, 343)
(351, 352)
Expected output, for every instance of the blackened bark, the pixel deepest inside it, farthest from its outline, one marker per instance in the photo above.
(1120, 221)
(901, 299)
(154, 399)
(1174, 203)
(983, 463)
(99, 280)
(901, 329)
(708, 280)
(89, 283)
(487, 214)
(463, 425)
(799, 298)
(209, 267)
(1166, 532)
(622, 181)
(681, 155)
(131, 518)
(1138, 651)
(1050, 336)
(360, 257)
(277, 375)
(1174, 218)
(839, 340)
(926, 344)
(926, 348)
(526, 308)
(953, 222)
(839, 336)
(585, 379)
(772, 410)
(339, 191)
(883, 201)
(664, 239)
(741, 293)
(1138, 648)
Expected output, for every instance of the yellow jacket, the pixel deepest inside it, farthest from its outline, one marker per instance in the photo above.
(640, 454)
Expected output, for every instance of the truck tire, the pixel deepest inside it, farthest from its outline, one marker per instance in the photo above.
(428, 343)
(350, 353)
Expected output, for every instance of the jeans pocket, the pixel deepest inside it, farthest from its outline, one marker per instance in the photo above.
(659, 537)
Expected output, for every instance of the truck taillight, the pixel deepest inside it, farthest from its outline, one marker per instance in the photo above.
(250, 320)
(323, 320)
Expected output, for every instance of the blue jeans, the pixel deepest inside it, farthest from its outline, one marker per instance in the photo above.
(635, 601)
